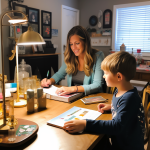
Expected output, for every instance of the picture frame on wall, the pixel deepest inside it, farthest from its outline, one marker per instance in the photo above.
(18, 30)
(35, 27)
(54, 32)
(107, 18)
(24, 27)
(33, 15)
(46, 21)
(19, 7)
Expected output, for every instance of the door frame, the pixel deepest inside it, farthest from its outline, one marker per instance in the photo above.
(0, 40)
(62, 12)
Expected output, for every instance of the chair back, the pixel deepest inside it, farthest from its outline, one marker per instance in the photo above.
(146, 105)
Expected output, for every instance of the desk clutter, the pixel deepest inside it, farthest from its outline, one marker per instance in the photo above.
(31, 102)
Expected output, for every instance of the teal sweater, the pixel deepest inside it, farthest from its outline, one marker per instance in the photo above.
(92, 83)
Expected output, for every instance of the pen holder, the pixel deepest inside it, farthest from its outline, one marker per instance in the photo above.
(41, 98)
(30, 100)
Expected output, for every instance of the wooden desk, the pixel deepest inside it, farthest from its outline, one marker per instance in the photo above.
(49, 137)
(142, 75)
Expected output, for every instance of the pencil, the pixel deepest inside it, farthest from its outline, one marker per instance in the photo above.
(47, 75)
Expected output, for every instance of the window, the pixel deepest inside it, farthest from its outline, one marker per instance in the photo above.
(131, 26)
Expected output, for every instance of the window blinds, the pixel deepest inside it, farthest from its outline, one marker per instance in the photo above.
(133, 28)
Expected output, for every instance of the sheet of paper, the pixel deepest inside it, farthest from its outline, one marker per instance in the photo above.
(75, 113)
(50, 90)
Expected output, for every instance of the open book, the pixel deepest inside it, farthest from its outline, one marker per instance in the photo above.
(50, 94)
(75, 113)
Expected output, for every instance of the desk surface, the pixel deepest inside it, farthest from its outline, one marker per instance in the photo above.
(49, 137)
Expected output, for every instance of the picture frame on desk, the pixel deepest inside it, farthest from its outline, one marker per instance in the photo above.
(21, 49)
(19, 7)
(34, 49)
(46, 21)
(107, 18)
(37, 49)
(33, 15)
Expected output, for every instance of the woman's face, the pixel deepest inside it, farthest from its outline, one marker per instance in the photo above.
(77, 45)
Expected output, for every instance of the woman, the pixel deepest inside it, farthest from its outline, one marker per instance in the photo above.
(82, 65)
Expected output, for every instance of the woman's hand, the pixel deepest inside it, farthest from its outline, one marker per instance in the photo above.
(65, 90)
(103, 107)
(75, 126)
(45, 82)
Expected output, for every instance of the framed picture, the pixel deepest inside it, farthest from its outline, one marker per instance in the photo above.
(33, 15)
(54, 32)
(37, 49)
(24, 28)
(18, 31)
(34, 48)
(46, 21)
(21, 49)
(107, 18)
(35, 27)
(40, 48)
(19, 7)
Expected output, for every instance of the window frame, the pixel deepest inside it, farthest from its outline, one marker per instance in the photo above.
(115, 7)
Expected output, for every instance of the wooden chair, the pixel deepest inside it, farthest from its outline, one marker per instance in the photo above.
(146, 105)
(110, 90)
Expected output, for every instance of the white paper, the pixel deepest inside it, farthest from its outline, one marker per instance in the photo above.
(51, 90)
(75, 113)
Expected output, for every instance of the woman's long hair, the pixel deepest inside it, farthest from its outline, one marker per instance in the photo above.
(71, 60)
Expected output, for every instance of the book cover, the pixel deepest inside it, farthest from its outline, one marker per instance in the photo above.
(50, 94)
(75, 113)
(95, 99)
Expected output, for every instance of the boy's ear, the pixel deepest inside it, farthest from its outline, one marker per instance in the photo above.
(119, 76)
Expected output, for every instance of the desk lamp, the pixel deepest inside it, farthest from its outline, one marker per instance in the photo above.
(28, 38)
(13, 21)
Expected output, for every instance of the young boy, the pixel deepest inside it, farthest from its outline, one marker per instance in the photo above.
(127, 125)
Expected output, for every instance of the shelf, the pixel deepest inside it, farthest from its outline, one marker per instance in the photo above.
(33, 55)
(101, 41)
(12, 38)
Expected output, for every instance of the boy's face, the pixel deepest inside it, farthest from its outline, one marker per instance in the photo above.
(111, 80)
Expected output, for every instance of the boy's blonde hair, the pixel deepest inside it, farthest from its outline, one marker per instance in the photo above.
(121, 62)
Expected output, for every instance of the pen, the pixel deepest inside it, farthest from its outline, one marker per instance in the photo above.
(47, 75)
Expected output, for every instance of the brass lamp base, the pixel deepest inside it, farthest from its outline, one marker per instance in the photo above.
(21, 103)
(4, 129)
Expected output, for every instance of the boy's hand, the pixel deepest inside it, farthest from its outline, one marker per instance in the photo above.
(103, 107)
(75, 126)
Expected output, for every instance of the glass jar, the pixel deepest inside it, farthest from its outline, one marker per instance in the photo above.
(29, 83)
(138, 57)
(24, 71)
